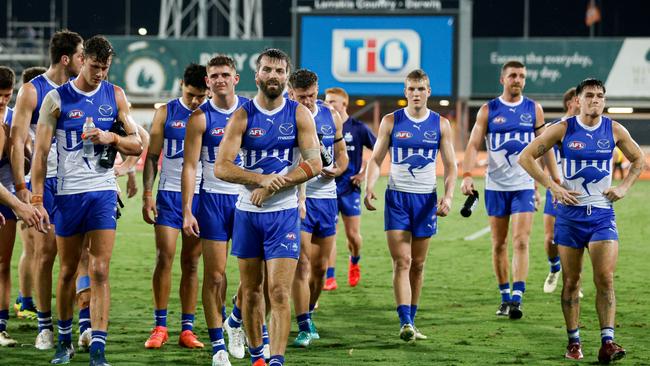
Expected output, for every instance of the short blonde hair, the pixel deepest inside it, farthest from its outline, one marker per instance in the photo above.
(339, 92)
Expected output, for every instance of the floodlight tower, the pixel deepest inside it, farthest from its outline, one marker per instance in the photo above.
(180, 18)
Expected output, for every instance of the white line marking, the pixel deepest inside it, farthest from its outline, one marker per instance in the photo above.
(478, 234)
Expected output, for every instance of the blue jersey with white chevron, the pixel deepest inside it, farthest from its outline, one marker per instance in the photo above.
(173, 147)
(510, 128)
(587, 158)
(270, 146)
(43, 85)
(413, 147)
(556, 149)
(75, 173)
(216, 120)
(320, 186)
(6, 176)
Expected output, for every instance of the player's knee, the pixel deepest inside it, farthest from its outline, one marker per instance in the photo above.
(571, 283)
(214, 280)
(604, 281)
(164, 260)
(98, 272)
(520, 243)
(402, 263)
(189, 264)
(279, 295)
(417, 267)
(302, 271)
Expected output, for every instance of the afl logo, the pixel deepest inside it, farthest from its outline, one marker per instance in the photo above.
(75, 114)
(499, 120)
(105, 110)
(178, 124)
(217, 131)
(256, 132)
(403, 135)
(291, 236)
(577, 145)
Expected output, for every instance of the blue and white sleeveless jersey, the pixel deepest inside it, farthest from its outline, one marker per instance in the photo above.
(319, 186)
(75, 173)
(216, 120)
(587, 158)
(270, 146)
(6, 176)
(511, 127)
(173, 147)
(43, 85)
(413, 147)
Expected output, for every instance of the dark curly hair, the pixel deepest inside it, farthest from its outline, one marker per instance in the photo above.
(194, 75)
(302, 79)
(99, 48)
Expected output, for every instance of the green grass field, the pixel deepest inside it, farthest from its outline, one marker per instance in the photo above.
(360, 326)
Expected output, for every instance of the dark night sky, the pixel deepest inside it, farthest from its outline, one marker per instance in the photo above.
(492, 18)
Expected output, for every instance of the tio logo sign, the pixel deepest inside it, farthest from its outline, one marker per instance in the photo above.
(372, 55)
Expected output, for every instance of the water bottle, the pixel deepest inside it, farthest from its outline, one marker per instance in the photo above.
(89, 147)
(325, 155)
(470, 204)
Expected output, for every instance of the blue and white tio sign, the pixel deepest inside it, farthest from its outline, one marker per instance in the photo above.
(371, 55)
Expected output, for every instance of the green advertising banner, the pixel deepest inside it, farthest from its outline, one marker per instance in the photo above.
(154, 67)
(554, 65)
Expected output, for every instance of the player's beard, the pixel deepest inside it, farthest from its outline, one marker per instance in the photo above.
(271, 93)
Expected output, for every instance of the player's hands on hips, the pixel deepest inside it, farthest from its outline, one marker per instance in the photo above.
(367, 200)
(444, 206)
(190, 225)
(357, 179)
(563, 196)
(149, 205)
(467, 186)
(260, 195)
(24, 195)
(99, 137)
(615, 193)
(273, 182)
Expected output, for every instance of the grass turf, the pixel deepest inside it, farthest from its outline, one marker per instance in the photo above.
(359, 326)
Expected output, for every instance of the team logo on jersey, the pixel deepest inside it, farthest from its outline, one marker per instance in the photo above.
(403, 135)
(76, 114)
(577, 145)
(217, 131)
(372, 55)
(256, 132)
(178, 124)
(589, 174)
(286, 128)
(511, 147)
(326, 129)
(416, 161)
(348, 137)
(603, 143)
(499, 120)
(105, 110)
(526, 118)
(291, 236)
(430, 135)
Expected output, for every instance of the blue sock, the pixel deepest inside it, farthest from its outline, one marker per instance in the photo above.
(98, 342)
(27, 304)
(504, 289)
(65, 330)
(355, 260)
(276, 360)
(265, 335)
(303, 322)
(330, 272)
(216, 338)
(311, 308)
(19, 299)
(4, 316)
(45, 320)
(234, 320)
(404, 313)
(606, 335)
(224, 315)
(160, 315)
(256, 353)
(518, 289)
(84, 319)
(414, 310)
(574, 335)
(554, 262)
(187, 321)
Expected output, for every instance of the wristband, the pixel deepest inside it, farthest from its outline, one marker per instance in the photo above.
(306, 169)
(338, 139)
(36, 199)
(20, 186)
(146, 194)
(467, 175)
